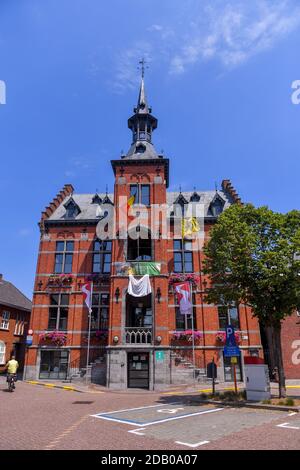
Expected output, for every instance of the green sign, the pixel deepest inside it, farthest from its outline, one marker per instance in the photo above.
(159, 355)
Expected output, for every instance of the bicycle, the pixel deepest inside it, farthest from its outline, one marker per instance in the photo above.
(11, 379)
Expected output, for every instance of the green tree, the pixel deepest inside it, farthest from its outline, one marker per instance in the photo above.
(252, 257)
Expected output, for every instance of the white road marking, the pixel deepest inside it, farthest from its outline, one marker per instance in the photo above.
(287, 425)
(152, 423)
(169, 411)
(192, 445)
(292, 413)
(137, 431)
(133, 409)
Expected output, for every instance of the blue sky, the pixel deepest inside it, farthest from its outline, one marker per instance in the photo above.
(219, 82)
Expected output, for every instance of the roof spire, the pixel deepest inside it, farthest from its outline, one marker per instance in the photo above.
(142, 66)
(142, 125)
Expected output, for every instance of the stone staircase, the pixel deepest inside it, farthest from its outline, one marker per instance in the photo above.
(184, 371)
(95, 372)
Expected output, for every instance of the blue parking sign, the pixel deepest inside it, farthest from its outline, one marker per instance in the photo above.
(230, 337)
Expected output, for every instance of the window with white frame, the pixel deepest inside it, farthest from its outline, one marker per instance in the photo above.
(4, 325)
(2, 352)
(19, 326)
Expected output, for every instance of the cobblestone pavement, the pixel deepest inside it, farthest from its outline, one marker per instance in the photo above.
(45, 418)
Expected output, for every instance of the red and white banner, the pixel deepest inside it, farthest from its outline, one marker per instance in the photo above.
(183, 295)
(87, 290)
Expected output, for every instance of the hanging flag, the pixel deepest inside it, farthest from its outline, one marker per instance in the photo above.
(130, 203)
(87, 290)
(139, 287)
(183, 295)
(189, 226)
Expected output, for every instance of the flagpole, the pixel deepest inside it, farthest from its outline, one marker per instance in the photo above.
(193, 339)
(89, 335)
(183, 259)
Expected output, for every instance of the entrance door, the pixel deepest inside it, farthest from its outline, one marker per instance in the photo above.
(138, 370)
(54, 364)
(229, 372)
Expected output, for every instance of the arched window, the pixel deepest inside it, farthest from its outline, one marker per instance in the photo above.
(2, 352)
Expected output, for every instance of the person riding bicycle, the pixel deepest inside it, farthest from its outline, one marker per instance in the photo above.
(12, 367)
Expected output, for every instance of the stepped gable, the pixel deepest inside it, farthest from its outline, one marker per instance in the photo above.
(66, 191)
(230, 190)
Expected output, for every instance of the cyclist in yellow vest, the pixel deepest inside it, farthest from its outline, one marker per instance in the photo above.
(12, 367)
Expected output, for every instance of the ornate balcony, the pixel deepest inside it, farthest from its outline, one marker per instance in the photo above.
(138, 335)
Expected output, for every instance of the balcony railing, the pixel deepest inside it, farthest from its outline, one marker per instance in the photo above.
(138, 335)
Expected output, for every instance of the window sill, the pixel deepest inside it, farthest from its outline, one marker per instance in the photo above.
(4, 329)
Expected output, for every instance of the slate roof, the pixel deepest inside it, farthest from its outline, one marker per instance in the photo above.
(10, 296)
(148, 154)
(88, 210)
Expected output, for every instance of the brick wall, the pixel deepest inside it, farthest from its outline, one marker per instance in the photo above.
(291, 346)
(14, 342)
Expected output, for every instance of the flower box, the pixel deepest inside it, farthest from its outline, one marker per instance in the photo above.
(54, 337)
(61, 280)
(186, 335)
(221, 337)
(192, 278)
(97, 336)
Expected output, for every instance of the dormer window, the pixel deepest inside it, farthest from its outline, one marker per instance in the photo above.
(195, 197)
(141, 148)
(216, 206)
(72, 209)
(107, 200)
(97, 199)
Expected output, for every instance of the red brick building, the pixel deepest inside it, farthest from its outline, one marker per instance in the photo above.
(15, 311)
(135, 341)
(290, 341)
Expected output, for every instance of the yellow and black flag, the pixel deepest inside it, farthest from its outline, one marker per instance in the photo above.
(189, 226)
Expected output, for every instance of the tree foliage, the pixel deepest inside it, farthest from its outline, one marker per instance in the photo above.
(251, 256)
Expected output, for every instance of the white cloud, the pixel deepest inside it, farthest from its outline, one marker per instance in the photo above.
(155, 27)
(233, 32)
(227, 31)
(126, 63)
(24, 232)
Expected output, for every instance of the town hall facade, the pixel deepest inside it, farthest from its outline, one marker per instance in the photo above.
(133, 341)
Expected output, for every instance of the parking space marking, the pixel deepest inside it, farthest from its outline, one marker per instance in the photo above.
(107, 417)
(134, 409)
(288, 426)
(137, 431)
(198, 444)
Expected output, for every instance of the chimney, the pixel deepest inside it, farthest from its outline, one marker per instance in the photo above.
(1, 277)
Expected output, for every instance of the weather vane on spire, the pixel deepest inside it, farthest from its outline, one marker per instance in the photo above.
(142, 67)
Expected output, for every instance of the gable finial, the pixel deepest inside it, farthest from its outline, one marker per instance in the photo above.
(216, 186)
(180, 188)
(106, 190)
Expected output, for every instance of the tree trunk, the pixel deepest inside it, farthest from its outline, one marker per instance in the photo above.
(278, 358)
(268, 331)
